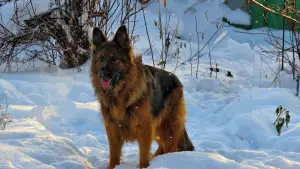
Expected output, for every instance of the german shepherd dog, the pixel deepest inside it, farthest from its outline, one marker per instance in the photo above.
(138, 102)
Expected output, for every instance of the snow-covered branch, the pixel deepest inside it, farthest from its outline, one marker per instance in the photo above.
(34, 28)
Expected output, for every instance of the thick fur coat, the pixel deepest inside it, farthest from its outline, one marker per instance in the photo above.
(138, 102)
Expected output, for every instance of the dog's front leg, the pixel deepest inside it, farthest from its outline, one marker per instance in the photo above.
(116, 142)
(145, 140)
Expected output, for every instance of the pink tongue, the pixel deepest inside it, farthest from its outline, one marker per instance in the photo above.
(105, 83)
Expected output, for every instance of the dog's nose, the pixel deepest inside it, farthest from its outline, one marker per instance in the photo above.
(103, 73)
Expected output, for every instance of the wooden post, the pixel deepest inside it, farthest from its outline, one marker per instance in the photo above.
(297, 88)
(283, 27)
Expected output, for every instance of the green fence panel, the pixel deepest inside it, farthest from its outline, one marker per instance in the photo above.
(275, 21)
(257, 15)
(298, 9)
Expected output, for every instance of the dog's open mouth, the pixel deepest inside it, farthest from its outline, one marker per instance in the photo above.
(105, 83)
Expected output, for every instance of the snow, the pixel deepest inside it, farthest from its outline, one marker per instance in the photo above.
(27, 144)
(26, 11)
(57, 124)
(237, 17)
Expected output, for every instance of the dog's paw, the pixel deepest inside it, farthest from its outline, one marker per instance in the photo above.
(143, 165)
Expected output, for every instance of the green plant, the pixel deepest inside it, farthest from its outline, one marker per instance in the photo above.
(279, 122)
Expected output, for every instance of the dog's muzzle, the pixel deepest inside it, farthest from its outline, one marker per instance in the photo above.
(103, 73)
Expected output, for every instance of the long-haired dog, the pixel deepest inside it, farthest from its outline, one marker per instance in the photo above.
(138, 102)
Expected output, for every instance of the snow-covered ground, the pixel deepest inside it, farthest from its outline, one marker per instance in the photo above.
(57, 124)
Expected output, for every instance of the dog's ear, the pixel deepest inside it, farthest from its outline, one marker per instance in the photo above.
(122, 38)
(98, 37)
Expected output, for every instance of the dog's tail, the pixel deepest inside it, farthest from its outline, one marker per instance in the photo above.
(185, 144)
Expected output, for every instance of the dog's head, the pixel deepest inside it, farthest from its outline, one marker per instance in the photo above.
(113, 59)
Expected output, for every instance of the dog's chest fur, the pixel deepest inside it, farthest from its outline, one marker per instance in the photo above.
(129, 123)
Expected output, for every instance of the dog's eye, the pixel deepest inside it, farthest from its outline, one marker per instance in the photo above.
(101, 59)
(114, 58)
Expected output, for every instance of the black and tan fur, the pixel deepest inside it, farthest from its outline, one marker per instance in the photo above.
(141, 103)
